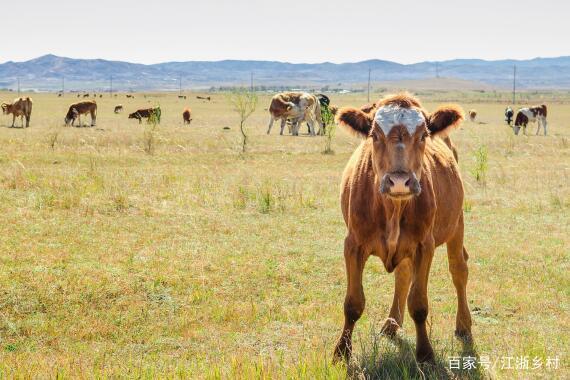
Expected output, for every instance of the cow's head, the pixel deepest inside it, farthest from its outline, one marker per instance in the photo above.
(398, 128)
(5, 108)
(71, 116)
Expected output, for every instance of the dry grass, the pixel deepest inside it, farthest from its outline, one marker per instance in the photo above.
(197, 261)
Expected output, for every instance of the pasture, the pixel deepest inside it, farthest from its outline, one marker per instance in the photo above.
(127, 251)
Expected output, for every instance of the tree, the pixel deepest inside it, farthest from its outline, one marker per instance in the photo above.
(244, 103)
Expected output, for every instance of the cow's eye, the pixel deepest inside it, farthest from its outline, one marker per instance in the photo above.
(424, 136)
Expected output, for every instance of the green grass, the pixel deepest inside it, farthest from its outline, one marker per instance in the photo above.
(199, 261)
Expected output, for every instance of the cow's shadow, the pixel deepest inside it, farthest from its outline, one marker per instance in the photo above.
(394, 358)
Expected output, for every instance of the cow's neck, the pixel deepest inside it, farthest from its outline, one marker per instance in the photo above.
(394, 209)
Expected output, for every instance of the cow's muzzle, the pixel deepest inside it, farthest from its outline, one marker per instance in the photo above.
(400, 185)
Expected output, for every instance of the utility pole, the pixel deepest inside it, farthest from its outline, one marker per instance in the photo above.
(62, 86)
(369, 72)
(252, 81)
(111, 87)
(180, 85)
(18, 86)
(514, 83)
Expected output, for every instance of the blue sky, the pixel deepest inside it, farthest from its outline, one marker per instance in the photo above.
(294, 31)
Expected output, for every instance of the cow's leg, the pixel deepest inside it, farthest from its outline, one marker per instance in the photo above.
(13, 120)
(403, 277)
(270, 124)
(417, 299)
(544, 124)
(354, 258)
(93, 118)
(538, 122)
(28, 120)
(283, 122)
(457, 257)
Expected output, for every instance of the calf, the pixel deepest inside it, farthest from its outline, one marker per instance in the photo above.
(186, 116)
(401, 197)
(21, 107)
(118, 108)
(297, 106)
(531, 114)
(81, 108)
(146, 113)
(472, 115)
(509, 115)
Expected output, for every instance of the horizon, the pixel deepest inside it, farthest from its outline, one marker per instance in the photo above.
(287, 62)
(316, 32)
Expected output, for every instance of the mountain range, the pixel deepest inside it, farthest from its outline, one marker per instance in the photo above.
(50, 72)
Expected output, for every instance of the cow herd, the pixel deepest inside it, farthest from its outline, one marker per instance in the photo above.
(290, 108)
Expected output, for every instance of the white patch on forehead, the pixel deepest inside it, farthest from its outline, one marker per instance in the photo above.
(389, 116)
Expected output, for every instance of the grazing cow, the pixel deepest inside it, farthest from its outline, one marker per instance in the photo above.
(472, 115)
(297, 106)
(78, 95)
(204, 98)
(401, 197)
(21, 107)
(81, 108)
(186, 116)
(531, 114)
(59, 95)
(130, 96)
(118, 108)
(146, 113)
(181, 96)
(85, 95)
(509, 115)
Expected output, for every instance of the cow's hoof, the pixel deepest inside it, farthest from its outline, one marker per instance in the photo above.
(425, 355)
(390, 328)
(341, 353)
(464, 335)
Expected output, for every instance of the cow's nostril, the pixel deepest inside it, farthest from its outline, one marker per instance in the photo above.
(407, 183)
(390, 182)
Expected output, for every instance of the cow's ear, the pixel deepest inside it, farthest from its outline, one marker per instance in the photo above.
(445, 119)
(355, 121)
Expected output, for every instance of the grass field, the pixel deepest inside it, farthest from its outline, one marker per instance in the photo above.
(198, 261)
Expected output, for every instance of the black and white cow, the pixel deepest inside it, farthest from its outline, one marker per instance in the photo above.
(509, 113)
(531, 114)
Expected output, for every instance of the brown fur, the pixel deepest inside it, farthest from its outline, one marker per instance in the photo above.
(472, 115)
(81, 108)
(403, 231)
(118, 108)
(20, 107)
(186, 116)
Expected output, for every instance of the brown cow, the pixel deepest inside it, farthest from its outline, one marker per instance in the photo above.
(472, 115)
(118, 108)
(21, 107)
(186, 116)
(532, 114)
(145, 113)
(401, 197)
(203, 98)
(81, 108)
